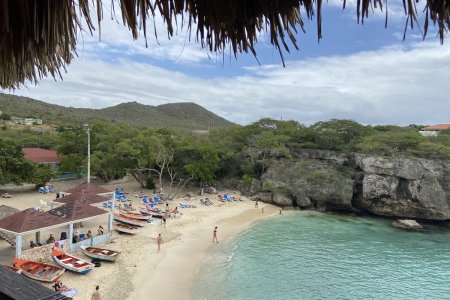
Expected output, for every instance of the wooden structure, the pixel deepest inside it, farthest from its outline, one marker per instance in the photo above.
(33, 221)
(15, 286)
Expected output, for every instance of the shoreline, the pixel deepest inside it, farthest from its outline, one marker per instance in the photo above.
(180, 261)
(140, 271)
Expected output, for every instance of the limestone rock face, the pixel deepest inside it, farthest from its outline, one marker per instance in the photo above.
(387, 186)
(408, 168)
(310, 183)
(419, 196)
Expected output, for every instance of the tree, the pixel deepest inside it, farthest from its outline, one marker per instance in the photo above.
(264, 147)
(42, 174)
(204, 168)
(5, 116)
(15, 169)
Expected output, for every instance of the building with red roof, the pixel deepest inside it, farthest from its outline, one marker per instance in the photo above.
(434, 129)
(42, 156)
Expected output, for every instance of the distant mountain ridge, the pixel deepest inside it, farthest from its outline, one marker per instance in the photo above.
(184, 115)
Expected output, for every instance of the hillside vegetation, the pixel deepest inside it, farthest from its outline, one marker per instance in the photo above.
(174, 115)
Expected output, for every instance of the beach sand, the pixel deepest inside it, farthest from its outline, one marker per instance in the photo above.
(140, 272)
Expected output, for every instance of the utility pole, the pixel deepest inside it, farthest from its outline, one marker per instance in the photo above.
(88, 130)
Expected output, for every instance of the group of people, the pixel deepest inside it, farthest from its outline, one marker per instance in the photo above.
(61, 288)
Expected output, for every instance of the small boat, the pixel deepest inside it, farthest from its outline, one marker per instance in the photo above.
(151, 213)
(100, 253)
(72, 263)
(125, 228)
(17, 270)
(38, 271)
(135, 215)
(129, 220)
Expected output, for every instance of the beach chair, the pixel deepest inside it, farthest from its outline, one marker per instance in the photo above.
(220, 197)
(145, 200)
(225, 197)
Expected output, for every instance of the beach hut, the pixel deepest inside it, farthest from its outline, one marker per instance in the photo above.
(17, 287)
(39, 37)
(33, 221)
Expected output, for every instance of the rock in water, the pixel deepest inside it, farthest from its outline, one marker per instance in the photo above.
(412, 225)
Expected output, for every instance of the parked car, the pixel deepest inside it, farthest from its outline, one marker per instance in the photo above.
(6, 195)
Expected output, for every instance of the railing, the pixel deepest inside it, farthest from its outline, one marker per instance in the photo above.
(42, 252)
(96, 240)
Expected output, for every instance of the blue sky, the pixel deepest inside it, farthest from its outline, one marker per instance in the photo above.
(360, 71)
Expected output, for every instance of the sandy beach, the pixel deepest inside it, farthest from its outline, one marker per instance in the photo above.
(140, 271)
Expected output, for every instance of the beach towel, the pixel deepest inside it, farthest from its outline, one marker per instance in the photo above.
(72, 293)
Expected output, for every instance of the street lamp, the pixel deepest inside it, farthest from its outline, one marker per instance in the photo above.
(88, 130)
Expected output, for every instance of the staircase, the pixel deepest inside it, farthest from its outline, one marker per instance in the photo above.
(9, 238)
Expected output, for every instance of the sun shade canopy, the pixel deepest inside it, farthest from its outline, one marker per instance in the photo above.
(31, 220)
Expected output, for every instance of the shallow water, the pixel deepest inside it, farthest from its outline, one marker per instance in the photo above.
(310, 255)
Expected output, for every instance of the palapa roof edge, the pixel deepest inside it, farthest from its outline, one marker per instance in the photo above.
(38, 38)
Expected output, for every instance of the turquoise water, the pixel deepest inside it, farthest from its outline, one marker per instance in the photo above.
(310, 255)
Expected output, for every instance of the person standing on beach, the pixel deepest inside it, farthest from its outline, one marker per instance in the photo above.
(215, 235)
(164, 220)
(256, 203)
(96, 294)
(159, 241)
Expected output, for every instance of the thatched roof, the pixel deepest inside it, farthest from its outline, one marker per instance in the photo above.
(38, 37)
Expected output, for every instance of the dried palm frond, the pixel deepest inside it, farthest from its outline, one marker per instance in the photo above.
(38, 37)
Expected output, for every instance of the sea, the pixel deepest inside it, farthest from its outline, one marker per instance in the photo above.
(313, 255)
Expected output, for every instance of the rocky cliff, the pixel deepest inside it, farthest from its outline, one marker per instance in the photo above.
(386, 186)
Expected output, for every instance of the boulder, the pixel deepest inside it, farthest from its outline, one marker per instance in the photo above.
(282, 200)
(412, 225)
(263, 197)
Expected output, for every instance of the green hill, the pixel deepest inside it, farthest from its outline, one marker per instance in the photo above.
(173, 115)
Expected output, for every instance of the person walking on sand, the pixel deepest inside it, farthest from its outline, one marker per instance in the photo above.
(215, 235)
(159, 241)
(262, 209)
(256, 203)
(96, 294)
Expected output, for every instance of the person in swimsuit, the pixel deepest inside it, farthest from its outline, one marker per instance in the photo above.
(256, 203)
(215, 235)
(159, 241)
(96, 294)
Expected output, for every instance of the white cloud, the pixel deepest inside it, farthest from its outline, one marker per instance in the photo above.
(395, 85)
(114, 38)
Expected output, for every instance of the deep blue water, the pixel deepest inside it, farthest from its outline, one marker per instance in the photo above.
(310, 255)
